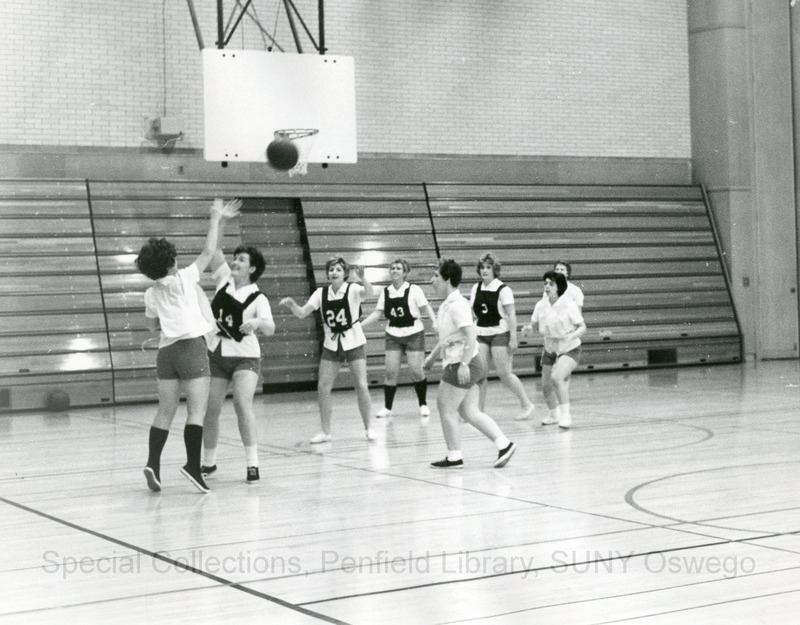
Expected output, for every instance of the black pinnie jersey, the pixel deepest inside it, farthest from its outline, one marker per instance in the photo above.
(397, 310)
(486, 308)
(229, 311)
(336, 312)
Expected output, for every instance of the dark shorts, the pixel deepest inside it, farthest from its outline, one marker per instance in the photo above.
(341, 355)
(411, 343)
(496, 340)
(477, 373)
(549, 358)
(226, 366)
(183, 360)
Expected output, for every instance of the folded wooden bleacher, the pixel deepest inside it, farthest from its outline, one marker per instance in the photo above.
(53, 334)
(72, 315)
(645, 257)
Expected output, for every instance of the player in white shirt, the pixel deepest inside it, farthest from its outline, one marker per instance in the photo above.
(240, 310)
(463, 369)
(340, 307)
(401, 304)
(175, 306)
(561, 323)
(492, 304)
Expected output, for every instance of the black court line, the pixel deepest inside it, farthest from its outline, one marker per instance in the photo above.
(534, 571)
(385, 562)
(505, 497)
(176, 563)
(620, 596)
(699, 607)
(84, 604)
(529, 571)
(630, 497)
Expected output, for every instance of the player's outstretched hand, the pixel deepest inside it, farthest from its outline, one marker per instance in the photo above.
(231, 209)
(221, 210)
(357, 271)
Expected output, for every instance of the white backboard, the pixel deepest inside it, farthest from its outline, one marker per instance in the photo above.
(249, 94)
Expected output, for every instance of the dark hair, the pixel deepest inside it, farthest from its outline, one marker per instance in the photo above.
(567, 265)
(450, 271)
(337, 260)
(156, 258)
(401, 261)
(256, 260)
(559, 280)
(490, 259)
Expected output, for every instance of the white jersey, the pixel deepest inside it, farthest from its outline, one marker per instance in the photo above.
(556, 322)
(175, 301)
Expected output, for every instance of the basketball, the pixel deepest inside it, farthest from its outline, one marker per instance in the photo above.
(57, 401)
(282, 154)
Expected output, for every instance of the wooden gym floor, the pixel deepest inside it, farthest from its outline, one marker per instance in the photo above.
(674, 499)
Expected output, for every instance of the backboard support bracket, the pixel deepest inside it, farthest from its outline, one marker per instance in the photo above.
(292, 13)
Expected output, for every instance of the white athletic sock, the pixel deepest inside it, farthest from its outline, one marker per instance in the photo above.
(209, 456)
(454, 455)
(565, 411)
(252, 455)
(554, 412)
(501, 442)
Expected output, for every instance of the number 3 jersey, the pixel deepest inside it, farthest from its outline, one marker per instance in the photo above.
(401, 307)
(231, 307)
(488, 303)
(340, 312)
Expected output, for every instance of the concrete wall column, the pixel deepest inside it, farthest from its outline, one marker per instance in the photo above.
(742, 151)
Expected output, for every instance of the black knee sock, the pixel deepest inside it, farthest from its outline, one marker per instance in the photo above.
(421, 388)
(158, 439)
(388, 395)
(193, 439)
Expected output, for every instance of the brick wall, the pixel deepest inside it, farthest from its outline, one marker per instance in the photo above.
(464, 77)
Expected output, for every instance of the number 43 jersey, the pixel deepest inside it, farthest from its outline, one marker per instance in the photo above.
(401, 307)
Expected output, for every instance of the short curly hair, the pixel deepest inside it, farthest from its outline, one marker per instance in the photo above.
(403, 262)
(156, 258)
(450, 271)
(337, 260)
(256, 261)
(489, 259)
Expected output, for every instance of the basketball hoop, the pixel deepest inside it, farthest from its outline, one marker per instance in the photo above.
(303, 140)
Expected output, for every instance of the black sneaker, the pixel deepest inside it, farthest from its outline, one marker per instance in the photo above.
(448, 464)
(252, 475)
(504, 455)
(152, 477)
(208, 470)
(196, 478)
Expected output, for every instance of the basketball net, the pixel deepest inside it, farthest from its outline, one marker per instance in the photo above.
(304, 139)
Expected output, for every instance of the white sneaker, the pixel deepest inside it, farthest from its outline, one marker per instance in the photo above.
(548, 420)
(383, 413)
(369, 434)
(320, 438)
(424, 411)
(525, 414)
(565, 422)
